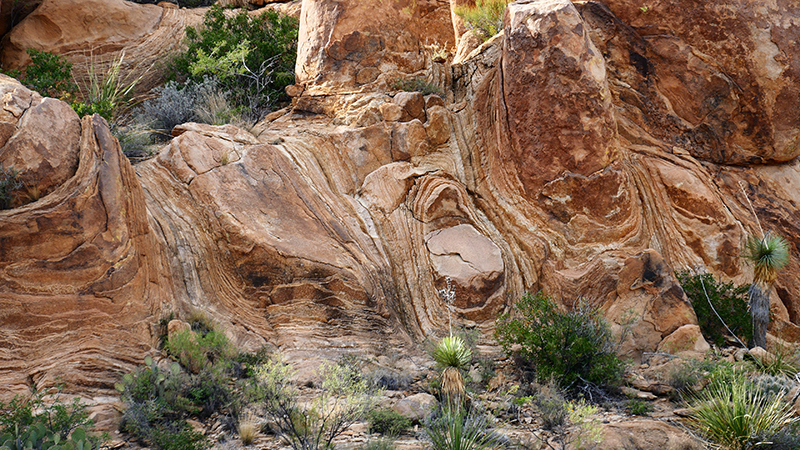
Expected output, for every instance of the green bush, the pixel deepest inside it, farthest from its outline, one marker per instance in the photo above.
(252, 58)
(730, 302)
(485, 18)
(639, 407)
(42, 422)
(345, 398)
(157, 404)
(48, 74)
(387, 422)
(570, 347)
(198, 351)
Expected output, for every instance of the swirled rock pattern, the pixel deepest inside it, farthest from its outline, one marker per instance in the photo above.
(588, 151)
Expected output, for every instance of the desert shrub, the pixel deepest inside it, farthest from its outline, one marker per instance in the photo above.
(786, 439)
(551, 405)
(570, 347)
(252, 58)
(387, 421)
(344, 398)
(782, 361)
(9, 182)
(733, 412)
(157, 404)
(485, 18)
(639, 407)
(379, 444)
(461, 429)
(173, 105)
(48, 74)
(107, 92)
(729, 300)
(42, 422)
(197, 351)
(416, 85)
(389, 379)
(691, 376)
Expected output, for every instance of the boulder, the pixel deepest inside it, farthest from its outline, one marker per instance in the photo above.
(687, 341)
(648, 435)
(39, 139)
(416, 407)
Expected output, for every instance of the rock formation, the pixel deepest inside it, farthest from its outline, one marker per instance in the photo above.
(589, 151)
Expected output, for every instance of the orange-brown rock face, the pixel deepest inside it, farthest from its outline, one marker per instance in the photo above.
(588, 152)
(343, 45)
(79, 269)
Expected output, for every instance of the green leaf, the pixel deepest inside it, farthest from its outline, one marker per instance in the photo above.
(148, 360)
(175, 368)
(78, 435)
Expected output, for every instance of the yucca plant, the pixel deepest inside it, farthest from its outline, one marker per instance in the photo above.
(106, 93)
(730, 413)
(457, 429)
(452, 355)
(768, 254)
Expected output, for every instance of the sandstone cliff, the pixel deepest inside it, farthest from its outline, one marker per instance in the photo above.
(589, 150)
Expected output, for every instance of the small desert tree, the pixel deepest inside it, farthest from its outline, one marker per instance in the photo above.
(768, 255)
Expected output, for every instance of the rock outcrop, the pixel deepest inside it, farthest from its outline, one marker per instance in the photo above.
(586, 152)
(83, 278)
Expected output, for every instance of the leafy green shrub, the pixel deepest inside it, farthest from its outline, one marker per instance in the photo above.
(485, 18)
(9, 182)
(48, 74)
(461, 429)
(639, 407)
(345, 398)
(731, 413)
(157, 404)
(569, 347)
(252, 58)
(728, 300)
(416, 85)
(198, 351)
(41, 423)
(387, 421)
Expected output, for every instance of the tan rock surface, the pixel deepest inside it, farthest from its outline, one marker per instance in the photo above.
(549, 166)
(82, 276)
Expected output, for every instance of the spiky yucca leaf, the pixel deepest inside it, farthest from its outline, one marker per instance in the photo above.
(768, 255)
(730, 413)
(452, 352)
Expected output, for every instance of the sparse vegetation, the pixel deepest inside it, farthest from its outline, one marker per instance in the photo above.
(485, 19)
(344, 398)
(729, 301)
(106, 93)
(416, 85)
(42, 422)
(48, 74)
(571, 347)
(9, 182)
(387, 422)
(639, 407)
(250, 58)
(732, 413)
(460, 428)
